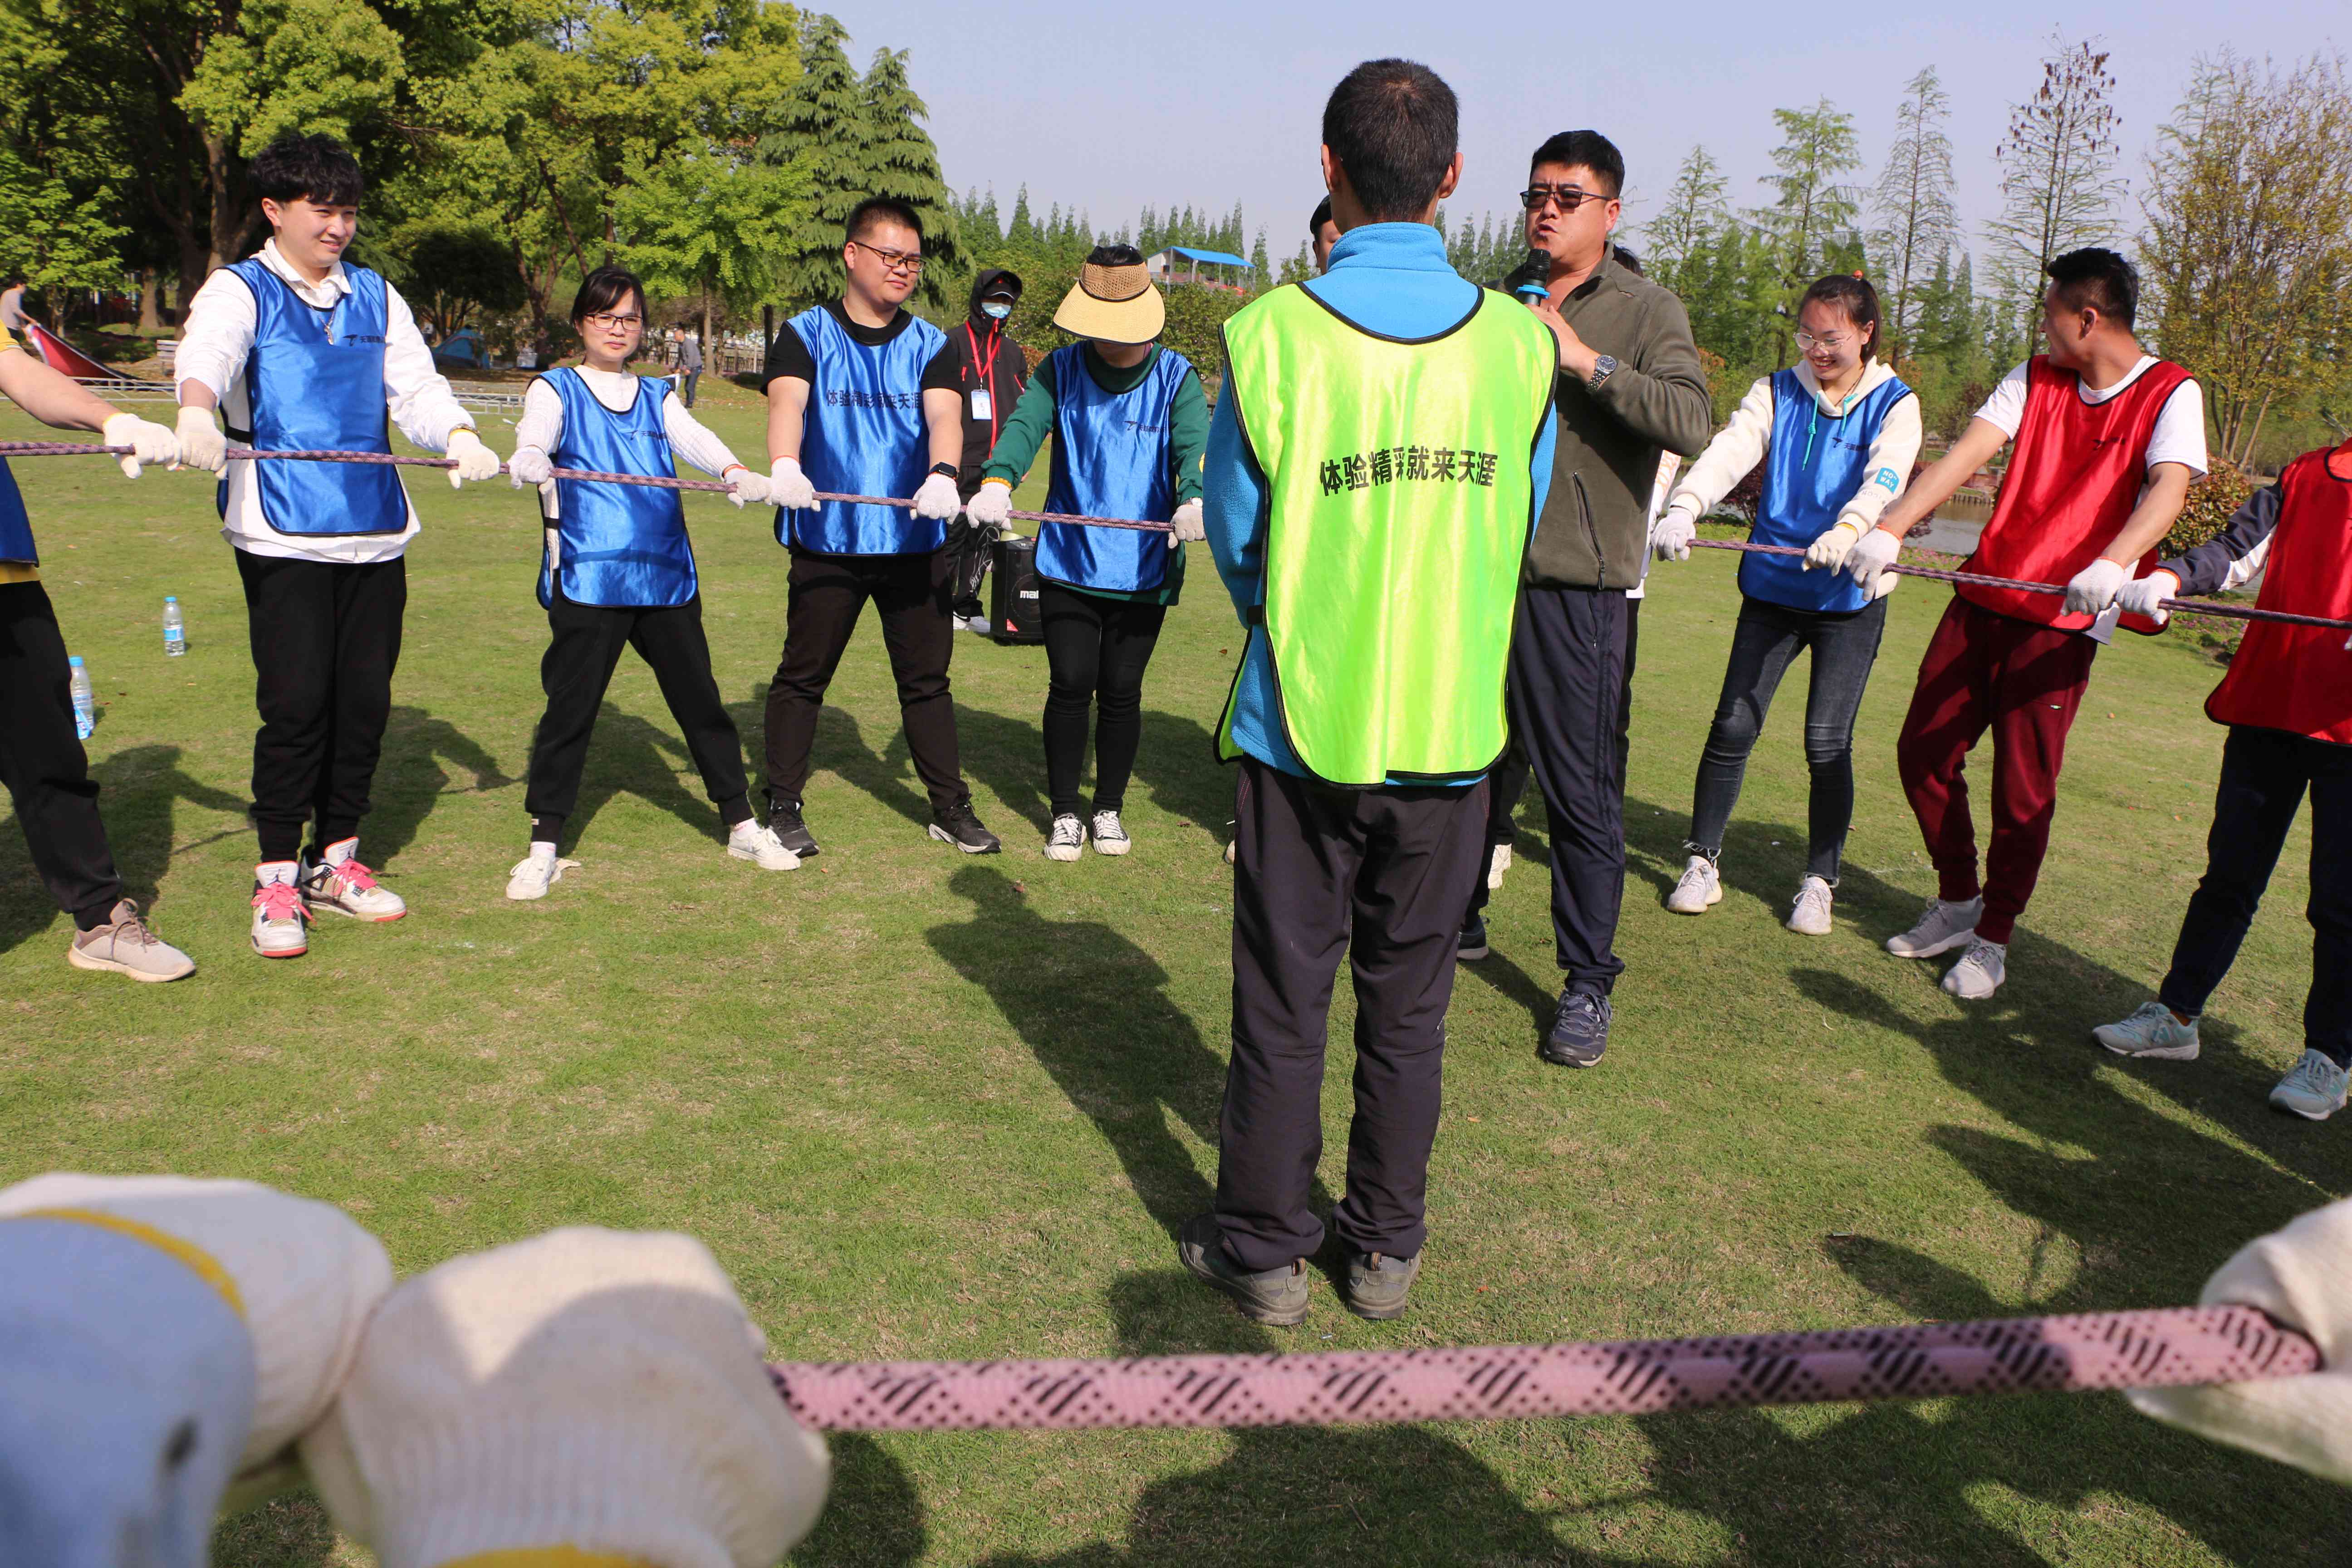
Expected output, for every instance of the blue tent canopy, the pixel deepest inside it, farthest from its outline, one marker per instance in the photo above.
(1213, 257)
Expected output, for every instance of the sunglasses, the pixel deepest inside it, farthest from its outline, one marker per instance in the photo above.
(1570, 197)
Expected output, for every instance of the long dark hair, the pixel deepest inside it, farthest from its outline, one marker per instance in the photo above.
(603, 289)
(1851, 293)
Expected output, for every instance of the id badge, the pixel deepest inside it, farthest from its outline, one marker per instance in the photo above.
(982, 405)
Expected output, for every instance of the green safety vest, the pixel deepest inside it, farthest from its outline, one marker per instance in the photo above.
(1398, 507)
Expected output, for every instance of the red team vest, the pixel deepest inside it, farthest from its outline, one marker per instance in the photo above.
(2073, 477)
(2299, 679)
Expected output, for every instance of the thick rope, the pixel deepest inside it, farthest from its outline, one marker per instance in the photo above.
(2160, 1348)
(2176, 607)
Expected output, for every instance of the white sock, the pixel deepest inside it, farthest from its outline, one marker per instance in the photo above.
(275, 872)
(540, 850)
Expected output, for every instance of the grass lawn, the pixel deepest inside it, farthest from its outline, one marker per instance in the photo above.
(926, 1105)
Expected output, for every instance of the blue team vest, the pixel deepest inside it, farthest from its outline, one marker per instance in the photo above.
(864, 435)
(16, 527)
(315, 380)
(616, 545)
(1817, 465)
(1111, 459)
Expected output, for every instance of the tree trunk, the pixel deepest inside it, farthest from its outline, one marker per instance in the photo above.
(151, 320)
(227, 222)
(710, 342)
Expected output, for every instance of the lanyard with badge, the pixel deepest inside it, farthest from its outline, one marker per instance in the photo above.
(983, 400)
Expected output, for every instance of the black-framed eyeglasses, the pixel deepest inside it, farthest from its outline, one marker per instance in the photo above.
(893, 260)
(605, 321)
(1570, 197)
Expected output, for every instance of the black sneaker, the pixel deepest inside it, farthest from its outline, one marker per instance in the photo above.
(784, 821)
(961, 826)
(1474, 940)
(1580, 1031)
(1377, 1284)
(1277, 1297)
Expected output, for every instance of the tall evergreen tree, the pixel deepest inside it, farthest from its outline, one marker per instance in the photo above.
(826, 132)
(1914, 200)
(901, 163)
(1811, 209)
(1693, 213)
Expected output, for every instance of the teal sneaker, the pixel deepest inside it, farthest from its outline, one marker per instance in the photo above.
(2314, 1089)
(2152, 1034)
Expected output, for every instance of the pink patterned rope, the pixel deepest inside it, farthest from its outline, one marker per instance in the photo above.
(2178, 606)
(2160, 1348)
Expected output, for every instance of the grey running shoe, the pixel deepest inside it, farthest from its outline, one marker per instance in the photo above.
(960, 825)
(1276, 1297)
(1377, 1284)
(1580, 1031)
(2313, 1089)
(124, 946)
(1811, 914)
(1942, 927)
(2151, 1033)
(1979, 972)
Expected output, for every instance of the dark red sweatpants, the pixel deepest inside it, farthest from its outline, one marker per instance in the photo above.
(2023, 682)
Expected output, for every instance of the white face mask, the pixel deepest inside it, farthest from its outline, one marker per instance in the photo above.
(995, 309)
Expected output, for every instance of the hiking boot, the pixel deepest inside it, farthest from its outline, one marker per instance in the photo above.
(1377, 1284)
(1979, 972)
(1472, 947)
(281, 924)
(784, 822)
(960, 826)
(2151, 1033)
(1276, 1297)
(1110, 834)
(1699, 889)
(337, 883)
(2313, 1089)
(1810, 916)
(1067, 837)
(753, 840)
(1580, 1031)
(1942, 927)
(536, 872)
(126, 946)
(1497, 862)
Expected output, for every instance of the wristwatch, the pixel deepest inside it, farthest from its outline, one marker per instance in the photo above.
(1603, 367)
(946, 470)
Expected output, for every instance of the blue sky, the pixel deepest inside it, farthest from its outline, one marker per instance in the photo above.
(1109, 107)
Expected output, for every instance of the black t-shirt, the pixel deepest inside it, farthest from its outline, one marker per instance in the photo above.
(788, 355)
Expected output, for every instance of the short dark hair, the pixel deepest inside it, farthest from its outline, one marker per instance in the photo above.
(876, 210)
(1393, 125)
(1630, 261)
(603, 289)
(1851, 293)
(2099, 278)
(1585, 150)
(315, 168)
(1321, 216)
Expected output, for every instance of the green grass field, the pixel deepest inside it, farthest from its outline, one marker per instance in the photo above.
(926, 1105)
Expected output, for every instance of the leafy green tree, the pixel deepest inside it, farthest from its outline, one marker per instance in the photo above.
(1261, 274)
(710, 225)
(2058, 186)
(1810, 210)
(1914, 200)
(1693, 214)
(447, 271)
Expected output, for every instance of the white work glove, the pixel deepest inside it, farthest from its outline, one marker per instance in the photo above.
(148, 442)
(1885, 586)
(790, 489)
(1189, 527)
(159, 1336)
(1671, 535)
(530, 467)
(589, 1388)
(475, 462)
(2140, 596)
(1871, 554)
(1829, 547)
(937, 499)
(2302, 1276)
(202, 445)
(2095, 588)
(992, 507)
(744, 486)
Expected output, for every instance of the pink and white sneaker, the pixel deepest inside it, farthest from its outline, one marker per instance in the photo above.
(281, 926)
(339, 884)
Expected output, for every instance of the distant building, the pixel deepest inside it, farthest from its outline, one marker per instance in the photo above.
(1182, 264)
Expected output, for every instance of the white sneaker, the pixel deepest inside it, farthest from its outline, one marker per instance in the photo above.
(281, 925)
(1979, 972)
(1496, 864)
(1942, 927)
(339, 885)
(1110, 839)
(2151, 1032)
(1067, 837)
(1700, 890)
(980, 625)
(1811, 915)
(755, 841)
(536, 872)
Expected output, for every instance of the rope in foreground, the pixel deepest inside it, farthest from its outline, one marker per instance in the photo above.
(2092, 1351)
(2177, 607)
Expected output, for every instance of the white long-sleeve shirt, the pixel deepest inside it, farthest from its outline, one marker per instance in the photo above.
(542, 424)
(212, 351)
(1739, 446)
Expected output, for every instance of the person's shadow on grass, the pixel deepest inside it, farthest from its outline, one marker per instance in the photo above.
(410, 780)
(637, 756)
(841, 750)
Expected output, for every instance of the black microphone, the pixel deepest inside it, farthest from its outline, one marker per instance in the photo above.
(1532, 278)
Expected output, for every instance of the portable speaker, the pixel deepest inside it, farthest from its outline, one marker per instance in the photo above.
(1013, 612)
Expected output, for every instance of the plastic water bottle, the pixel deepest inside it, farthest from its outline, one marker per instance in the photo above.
(84, 701)
(176, 629)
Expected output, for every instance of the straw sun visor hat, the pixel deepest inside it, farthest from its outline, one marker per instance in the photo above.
(1113, 300)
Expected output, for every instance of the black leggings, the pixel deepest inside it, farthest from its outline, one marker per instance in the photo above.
(1096, 650)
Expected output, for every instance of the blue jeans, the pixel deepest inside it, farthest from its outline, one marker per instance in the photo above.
(1766, 640)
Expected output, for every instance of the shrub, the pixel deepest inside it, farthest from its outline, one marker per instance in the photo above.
(2212, 500)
